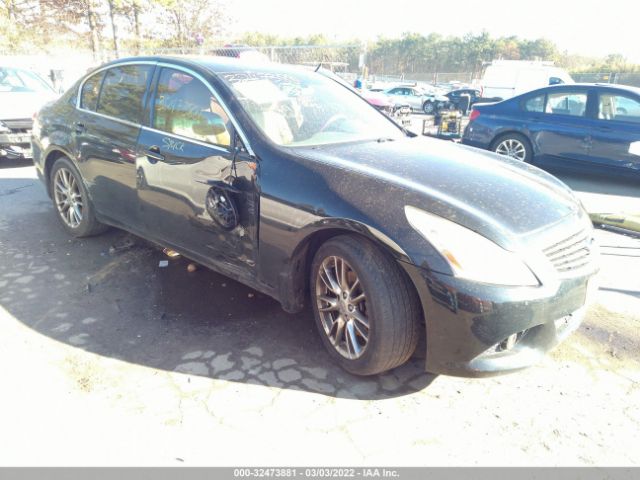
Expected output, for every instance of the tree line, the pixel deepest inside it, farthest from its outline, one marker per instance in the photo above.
(111, 28)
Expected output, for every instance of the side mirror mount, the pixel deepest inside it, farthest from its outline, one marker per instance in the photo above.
(211, 124)
(555, 81)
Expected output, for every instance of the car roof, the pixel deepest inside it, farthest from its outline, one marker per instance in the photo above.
(600, 86)
(215, 64)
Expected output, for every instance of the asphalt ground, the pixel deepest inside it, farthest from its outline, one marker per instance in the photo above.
(108, 359)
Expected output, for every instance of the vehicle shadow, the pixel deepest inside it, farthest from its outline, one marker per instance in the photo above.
(109, 296)
(15, 162)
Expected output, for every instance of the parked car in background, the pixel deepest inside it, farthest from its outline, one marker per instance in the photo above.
(457, 97)
(291, 183)
(22, 93)
(399, 112)
(504, 79)
(590, 127)
(419, 99)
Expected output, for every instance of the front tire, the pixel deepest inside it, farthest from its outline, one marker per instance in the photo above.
(366, 311)
(428, 108)
(71, 200)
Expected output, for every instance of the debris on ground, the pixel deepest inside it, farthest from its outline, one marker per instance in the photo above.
(125, 244)
(192, 267)
(163, 263)
(169, 252)
(251, 295)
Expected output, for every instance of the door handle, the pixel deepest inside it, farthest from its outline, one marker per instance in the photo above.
(80, 128)
(153, 154)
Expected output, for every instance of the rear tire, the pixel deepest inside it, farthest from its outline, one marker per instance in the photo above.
(513, 145)
(71, 200)
(369, 316)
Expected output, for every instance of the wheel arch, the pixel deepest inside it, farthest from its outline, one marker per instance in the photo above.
(510, 131)
(293, 280)
(50, 158)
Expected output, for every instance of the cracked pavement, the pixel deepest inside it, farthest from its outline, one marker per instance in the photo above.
(108, 359)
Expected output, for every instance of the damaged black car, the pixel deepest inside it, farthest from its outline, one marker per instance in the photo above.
(287, 181)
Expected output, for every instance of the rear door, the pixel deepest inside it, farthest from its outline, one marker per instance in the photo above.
(185, 168)
(106, 133)
(616, 131)
(562, 131)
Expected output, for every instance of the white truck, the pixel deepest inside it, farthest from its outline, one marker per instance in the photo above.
(504, 79)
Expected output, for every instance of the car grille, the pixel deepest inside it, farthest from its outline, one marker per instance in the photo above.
(22, 125)
(572, 253)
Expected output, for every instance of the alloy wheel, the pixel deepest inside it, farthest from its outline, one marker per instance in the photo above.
(512, 148)
(342, 305)
(68, 197)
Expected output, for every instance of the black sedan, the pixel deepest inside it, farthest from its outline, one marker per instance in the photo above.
(591, 128)
(289, 182)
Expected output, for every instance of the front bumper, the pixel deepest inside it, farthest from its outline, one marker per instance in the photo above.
(15, 145)
(477, 330)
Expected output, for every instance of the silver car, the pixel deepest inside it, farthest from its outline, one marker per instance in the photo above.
(419, 99)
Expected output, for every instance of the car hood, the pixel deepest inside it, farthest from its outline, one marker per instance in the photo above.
(15, 105)
(501, 198)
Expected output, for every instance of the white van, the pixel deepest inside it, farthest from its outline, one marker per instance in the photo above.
(504, 79)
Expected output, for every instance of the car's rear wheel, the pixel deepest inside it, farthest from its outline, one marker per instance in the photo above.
(366, 311)
(513, 145)
(429, 108)
(71, 201)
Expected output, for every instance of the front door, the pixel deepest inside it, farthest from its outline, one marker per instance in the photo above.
(193, 195)
(616, 132)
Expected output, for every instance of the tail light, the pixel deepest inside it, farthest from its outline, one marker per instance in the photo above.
(474, 114)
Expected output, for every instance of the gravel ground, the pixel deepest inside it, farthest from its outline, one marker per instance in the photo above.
(109, 360)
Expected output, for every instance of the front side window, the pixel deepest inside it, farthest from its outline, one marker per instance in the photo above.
(90, 92)
(298, 107)
(123, 92)
(185, 106)
(618, 107)
(534, 104)
(567, 103)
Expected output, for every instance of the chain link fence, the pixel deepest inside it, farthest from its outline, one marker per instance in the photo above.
(632, 79)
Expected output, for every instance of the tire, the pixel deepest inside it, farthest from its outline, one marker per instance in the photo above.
(389, 304)
(67, 189)
(429, 108)
(516, 143)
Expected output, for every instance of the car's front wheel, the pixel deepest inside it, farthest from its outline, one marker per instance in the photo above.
(71, 200)
(366, 311)
(513, 145)
(429, 108)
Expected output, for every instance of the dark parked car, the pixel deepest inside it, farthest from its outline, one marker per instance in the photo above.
(457, 97)
(289, 182)
(590, 127)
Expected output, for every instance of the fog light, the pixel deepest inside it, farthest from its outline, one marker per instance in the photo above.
(510, 342)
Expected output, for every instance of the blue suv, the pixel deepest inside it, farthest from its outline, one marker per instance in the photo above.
(585, 126)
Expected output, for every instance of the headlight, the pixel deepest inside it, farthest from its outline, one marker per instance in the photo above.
(469, 254)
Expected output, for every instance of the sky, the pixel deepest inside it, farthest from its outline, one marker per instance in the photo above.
(587, 27)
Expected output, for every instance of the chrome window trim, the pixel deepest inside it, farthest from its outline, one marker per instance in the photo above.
(187, 139)
(186, 70)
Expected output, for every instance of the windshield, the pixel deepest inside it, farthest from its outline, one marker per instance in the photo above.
(306, 108)
(18, 80)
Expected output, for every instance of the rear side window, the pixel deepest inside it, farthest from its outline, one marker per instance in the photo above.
(567, 103)
(618, 107)
(534, 104)
(90, 92)
(123, 91)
